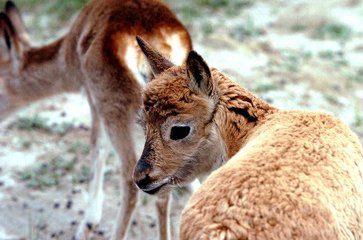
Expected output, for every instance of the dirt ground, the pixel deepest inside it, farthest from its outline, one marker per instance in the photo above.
(301, 54)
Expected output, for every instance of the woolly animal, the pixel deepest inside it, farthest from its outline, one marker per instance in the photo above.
(278, 174)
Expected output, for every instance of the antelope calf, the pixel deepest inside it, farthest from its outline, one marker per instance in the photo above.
(291, 174)
(100, 54)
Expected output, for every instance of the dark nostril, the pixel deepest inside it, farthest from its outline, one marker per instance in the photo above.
(143, 183)
(141, 176)
(142, 166)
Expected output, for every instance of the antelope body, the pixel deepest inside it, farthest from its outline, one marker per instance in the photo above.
(291, 174)
(99, 54)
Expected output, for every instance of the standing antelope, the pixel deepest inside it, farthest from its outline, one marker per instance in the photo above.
(292, 174)
(99, 54)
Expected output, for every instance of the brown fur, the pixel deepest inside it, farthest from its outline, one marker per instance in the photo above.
(42, 54)
(292, 174)
(92, 55)
(305, 182)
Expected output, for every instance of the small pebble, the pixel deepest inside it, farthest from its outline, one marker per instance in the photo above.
(75, 191)
(83, 127)
(42, 227)
(56, 205)
(337, 88)
(283, 82)
(269, 100)
(69, 204)
(340, 53)
(89, 226)
(74, 223)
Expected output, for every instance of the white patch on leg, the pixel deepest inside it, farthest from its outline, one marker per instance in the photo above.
(178, 52)
(96, 195)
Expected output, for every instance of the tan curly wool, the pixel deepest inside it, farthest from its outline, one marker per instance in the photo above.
(293, 175)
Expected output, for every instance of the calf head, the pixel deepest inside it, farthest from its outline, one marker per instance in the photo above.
(182, 139)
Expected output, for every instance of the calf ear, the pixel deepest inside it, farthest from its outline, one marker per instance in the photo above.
(200, 78)
(7, 30)
(158, 62)
(16, 19)
(14, 45)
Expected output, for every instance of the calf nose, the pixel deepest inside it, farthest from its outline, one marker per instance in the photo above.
(141, 173)
(143, 183)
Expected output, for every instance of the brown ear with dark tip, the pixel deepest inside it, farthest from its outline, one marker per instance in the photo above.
(157, 62)
(14, 45)
(16, 19)
(7, 30)
(200, 77)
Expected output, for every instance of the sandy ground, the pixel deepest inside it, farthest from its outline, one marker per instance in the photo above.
(293, 54)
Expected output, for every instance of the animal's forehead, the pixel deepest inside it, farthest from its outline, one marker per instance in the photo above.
(168, 94)
(172, 79)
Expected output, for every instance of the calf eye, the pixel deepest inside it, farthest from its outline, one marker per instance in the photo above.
(179, 132)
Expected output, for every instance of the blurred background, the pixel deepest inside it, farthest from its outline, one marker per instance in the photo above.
(299, 54)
